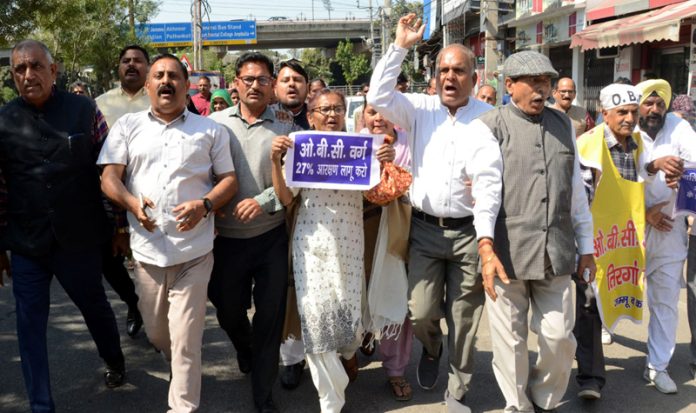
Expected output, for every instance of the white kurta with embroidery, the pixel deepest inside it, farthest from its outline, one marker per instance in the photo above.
(327, 257)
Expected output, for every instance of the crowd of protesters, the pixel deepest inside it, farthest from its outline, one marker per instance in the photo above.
(502, 213)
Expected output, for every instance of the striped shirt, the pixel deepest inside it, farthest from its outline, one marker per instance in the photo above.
(623, 161)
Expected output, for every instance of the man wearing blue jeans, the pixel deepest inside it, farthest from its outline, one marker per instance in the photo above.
(53, 216)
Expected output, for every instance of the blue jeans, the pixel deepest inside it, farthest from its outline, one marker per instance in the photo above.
(80, 275)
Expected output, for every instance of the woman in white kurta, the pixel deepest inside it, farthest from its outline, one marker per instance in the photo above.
(327, 256)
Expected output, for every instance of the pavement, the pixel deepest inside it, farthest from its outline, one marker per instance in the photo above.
(77, 384)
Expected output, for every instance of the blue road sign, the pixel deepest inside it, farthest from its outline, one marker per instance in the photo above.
(213, 33)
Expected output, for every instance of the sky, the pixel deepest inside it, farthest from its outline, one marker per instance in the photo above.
(180, 10)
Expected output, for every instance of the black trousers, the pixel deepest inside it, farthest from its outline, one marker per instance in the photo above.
(116, 274)
(263, 259)
(588, 333)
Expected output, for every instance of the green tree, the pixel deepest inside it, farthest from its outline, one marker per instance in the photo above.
(7, 93)
(85, 33)
(317, 65)
(81, 34)
(353, 65)
(402, 8)
(18, 18)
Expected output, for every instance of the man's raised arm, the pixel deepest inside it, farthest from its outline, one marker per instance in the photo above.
(394, 105)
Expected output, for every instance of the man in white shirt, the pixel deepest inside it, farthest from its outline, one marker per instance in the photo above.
(167, 157)
(445, 224)
(665, 239)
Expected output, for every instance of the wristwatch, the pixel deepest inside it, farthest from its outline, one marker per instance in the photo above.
(208, 207)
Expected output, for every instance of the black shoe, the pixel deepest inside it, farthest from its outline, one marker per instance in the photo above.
(114, 376)
(291, 375)
(428, 370)
(134, 322)
(267, 407)
(244, 361)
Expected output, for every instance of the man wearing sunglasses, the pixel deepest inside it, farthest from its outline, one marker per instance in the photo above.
(252, 242)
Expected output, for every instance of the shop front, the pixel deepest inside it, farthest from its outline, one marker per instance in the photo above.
(658, 43)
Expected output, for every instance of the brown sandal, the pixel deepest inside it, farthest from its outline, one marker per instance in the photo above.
(351, 367)
(401, 388)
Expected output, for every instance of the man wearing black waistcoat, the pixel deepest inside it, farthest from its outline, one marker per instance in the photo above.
(54, 220)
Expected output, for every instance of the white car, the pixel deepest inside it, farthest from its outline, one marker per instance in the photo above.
(352, 103)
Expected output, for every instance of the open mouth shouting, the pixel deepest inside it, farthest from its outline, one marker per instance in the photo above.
(166, 91)
(132, 72)
(449, 89)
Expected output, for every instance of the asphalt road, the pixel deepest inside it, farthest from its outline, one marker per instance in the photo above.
(77, 384)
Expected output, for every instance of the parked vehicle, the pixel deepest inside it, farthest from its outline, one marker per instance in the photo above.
(352, 103)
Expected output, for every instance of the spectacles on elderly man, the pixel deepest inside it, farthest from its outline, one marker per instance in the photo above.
(263, 80)
(326, 110)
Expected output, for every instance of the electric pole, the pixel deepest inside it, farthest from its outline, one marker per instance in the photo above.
(375, 48)
(385, 32)
(489, 18)
(328, 7)
(196, 25)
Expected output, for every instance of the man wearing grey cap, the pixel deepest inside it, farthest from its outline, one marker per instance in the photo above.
(543, 219)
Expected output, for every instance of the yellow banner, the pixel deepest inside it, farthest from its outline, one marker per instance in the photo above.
(618, 215)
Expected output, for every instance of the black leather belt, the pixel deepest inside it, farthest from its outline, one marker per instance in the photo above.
(442, 222)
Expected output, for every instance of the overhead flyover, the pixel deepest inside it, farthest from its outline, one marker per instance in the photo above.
(307, 33)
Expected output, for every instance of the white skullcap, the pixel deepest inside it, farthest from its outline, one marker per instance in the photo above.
(617, 94)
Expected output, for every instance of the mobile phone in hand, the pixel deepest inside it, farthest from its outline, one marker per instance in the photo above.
(143, 206)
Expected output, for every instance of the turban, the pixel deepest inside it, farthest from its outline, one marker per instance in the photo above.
(659, 86)
(616, 95)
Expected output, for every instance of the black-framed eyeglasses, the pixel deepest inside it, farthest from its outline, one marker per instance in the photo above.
(263, 80)
(326, 110)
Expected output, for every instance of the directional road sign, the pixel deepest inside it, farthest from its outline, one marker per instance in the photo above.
(213, 33)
